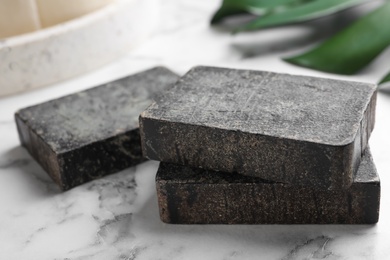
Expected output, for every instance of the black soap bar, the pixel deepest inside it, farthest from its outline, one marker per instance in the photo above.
(291, 129)
(87, 135)
(194, 196)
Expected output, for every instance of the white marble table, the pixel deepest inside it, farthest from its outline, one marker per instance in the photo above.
(117, 217)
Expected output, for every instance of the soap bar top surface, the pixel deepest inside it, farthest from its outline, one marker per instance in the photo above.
(95, 114)
(317, 110)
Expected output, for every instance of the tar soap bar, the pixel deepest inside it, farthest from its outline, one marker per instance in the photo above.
(291, 129)
(89, 134)
(194, 196)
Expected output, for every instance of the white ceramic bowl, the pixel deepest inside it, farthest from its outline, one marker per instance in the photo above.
(69, 49)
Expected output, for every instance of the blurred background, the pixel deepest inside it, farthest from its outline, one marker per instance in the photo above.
(51, 48)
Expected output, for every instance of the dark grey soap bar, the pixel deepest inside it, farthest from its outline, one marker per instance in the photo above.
(194, 196)
(89, 134)
(285, 128)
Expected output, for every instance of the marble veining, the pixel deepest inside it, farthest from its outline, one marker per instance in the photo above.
(116, 217)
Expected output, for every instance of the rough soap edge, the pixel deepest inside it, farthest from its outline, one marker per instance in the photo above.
(67, 185)
(346, 152)
(142, 135)
(162, 201)
(51, 163)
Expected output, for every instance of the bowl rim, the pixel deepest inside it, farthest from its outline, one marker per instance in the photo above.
(65, 27)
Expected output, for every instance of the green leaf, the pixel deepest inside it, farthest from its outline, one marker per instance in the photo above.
(300, 13)
(226, 12)
(257, 3)
(385, 79)
(353, 48)
(234, 7)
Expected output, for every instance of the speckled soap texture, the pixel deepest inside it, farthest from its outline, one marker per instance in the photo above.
(291, 129)
(87, 135)
(194, 196)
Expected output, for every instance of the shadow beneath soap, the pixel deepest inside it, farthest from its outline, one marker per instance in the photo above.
(29, 173)
(276, 238)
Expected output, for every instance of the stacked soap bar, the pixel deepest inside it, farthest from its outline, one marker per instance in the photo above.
(87, 135)
(197, 196)
(258, 147)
